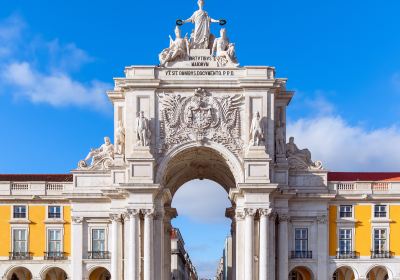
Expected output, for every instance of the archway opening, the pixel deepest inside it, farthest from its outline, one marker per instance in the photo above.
(55, 273)
(343, 273)
(378, 273)
(300, 273)
(100, 273)
(19, 273)
(199, 180)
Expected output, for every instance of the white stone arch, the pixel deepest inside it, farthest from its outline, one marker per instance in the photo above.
(306, 266)
(352, 268)
(91, 268)
(8, 273)
(232, 162)
(43, 272)
(388, 270)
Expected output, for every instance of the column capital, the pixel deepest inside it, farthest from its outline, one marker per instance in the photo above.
(115, 218)
(239, 215)
(250, 212)
(263, 212)
(323, 219)
(284, 217)
(131, 213)
(77, 220)
(148, 212)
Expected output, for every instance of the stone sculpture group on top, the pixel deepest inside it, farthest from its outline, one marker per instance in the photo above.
(201, 38)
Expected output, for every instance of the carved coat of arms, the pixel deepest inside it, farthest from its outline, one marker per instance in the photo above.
(201, 117)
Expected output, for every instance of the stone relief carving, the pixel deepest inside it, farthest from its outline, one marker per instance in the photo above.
(178, 49)
(201, 38)
(102, 157)
(224, 51)
(257, 130)
(280, 144)
(201, 117)
(120, 141)
(143, 133)
(300, 159)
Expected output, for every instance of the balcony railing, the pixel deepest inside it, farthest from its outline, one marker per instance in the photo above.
(20, 255)
(97, 255)
(301, 255)
(381, 255)
(54, 256)
(347, 255)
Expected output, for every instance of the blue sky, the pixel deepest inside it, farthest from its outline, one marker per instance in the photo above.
(58, 57)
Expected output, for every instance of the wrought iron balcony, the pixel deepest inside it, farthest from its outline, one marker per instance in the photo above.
(381, 255)
(56, 256)
(98, 255)
(20, 255)
(347, 255)
(301, 255)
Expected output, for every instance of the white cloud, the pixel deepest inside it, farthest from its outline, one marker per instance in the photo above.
(40, 70)
(345, 147)
(202, 201)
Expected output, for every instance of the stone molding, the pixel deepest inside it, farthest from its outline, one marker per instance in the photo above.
(323, 219)
(239, 215)
(148, 212)
(265, 212)
(283, 218)
(250, 212)
(77, 220)
(116, 218)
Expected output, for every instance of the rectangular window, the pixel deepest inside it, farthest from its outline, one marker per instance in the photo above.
(301, 239)
(380, 211)
(380, 240)
(54, 212)
(98, 240)
(346, 211)
(19, 211)
(54, 241)
(20, 241)
(345, 240)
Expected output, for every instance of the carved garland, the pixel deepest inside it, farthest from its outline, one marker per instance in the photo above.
(201, 117)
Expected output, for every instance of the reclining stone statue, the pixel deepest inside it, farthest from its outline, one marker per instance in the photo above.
(102, 157)
(300, 159)
(178, 49)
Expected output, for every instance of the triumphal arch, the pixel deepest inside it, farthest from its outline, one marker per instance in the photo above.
(199, 114)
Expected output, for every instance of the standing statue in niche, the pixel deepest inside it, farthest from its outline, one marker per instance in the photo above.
(257, 130)
(178, 49)
(102, 157)
(142, 130)
(280, 140)
(300, 159)
(200, 38)
(223, 50)
(120, 141)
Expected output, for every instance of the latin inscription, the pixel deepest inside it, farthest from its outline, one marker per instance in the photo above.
(199, 73)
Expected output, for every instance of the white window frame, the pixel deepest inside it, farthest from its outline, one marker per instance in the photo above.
(387, 237)
(308, 237)
(20, 219)
(94, 227)
(352, 229)
(61, 212)
(380, 218)
(48, 228)
(16, 227)
(345, 218)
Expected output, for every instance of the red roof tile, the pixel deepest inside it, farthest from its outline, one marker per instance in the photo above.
(37, 177)
(363, 176)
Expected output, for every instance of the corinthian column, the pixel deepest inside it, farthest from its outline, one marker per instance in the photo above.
(283, 262)
(148, 244)
(263, 261)
(77, 244)
(133, 255)
(249, 243)
(115, 252)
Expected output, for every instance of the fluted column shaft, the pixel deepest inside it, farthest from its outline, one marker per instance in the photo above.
(115, 225)
(249, 243)
(148, 248)
(263, 254)
(133, 256)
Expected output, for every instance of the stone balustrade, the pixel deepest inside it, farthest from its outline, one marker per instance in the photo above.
(34, 188)
(362, 187)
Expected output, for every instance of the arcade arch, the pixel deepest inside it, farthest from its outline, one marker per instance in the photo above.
(344, 273)
(378, 273)
(19, 273)
(99, 273)
(301, 273)
(54, 273)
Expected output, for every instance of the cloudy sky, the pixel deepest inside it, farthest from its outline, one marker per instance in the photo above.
(57, 58)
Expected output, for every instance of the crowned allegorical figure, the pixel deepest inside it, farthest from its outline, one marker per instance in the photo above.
(178, 49)
(224, 50)
(200, 38)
